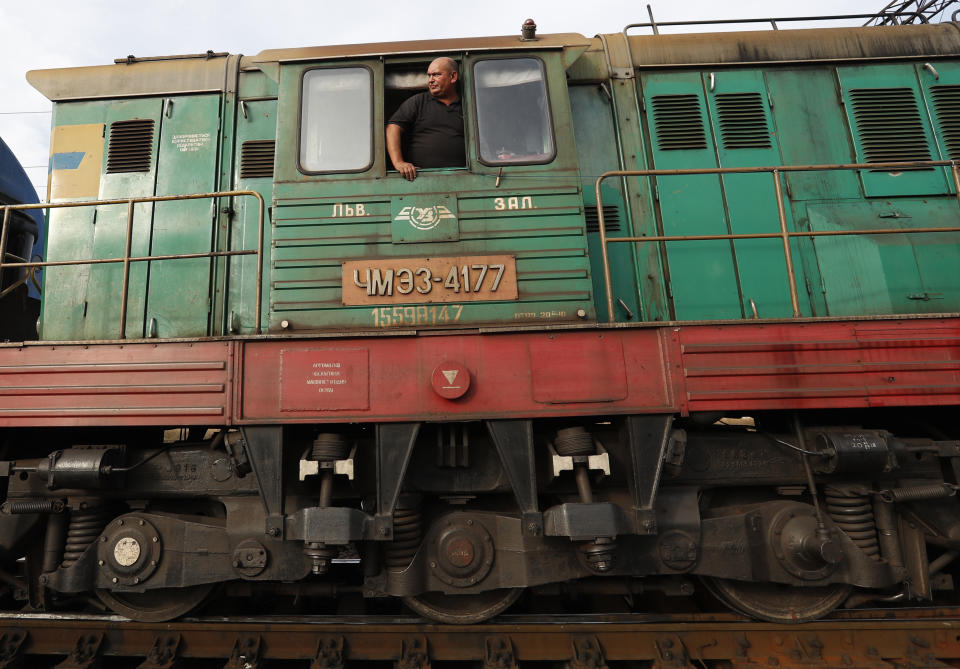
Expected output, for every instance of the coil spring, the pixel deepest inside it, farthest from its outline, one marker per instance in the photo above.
(852, 511)
(407, 531)
(329, 446)
(34, 506)
(84, 528)
(919, 492)
(574, 441)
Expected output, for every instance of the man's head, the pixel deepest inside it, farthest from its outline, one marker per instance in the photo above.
(442, 76)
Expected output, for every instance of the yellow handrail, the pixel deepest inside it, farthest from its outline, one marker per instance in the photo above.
(126, 258)
(784, 234)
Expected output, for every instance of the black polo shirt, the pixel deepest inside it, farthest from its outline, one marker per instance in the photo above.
(432, 131)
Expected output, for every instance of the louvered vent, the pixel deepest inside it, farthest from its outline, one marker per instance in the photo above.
(611, 218)
(946, 103)
(889, 125)
(256, 159)
(743, 123)
(131, 146)
(678, 122)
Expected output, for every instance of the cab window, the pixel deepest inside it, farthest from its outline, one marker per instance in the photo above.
(513, 112)
(336, 120)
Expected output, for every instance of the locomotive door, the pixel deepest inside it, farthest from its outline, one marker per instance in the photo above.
(679, 132)
(253, 170)
(129, 171)
(705, 120)
(744, 134)
(178, 303)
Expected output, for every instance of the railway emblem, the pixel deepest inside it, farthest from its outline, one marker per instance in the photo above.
(424, 218)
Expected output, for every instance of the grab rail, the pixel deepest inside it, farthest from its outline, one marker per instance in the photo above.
(126, 258)
(783, 234)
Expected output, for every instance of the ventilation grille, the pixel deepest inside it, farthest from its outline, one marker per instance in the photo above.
(678, 122)
(743, 121)
(889, 125)
(256, 159)
(611, 218)
(131, 146)
(946, 102)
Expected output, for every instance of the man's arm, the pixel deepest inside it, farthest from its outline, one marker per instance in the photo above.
(407, 170)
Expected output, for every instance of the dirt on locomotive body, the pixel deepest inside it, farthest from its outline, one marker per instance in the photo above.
(684, 322)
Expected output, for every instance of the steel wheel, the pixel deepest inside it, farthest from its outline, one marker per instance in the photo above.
(463, 609)
(778, 603)
(154, 606)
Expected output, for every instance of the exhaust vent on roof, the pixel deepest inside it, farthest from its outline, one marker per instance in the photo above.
(131, 146)
(256, 159)
(678, 122)
(743, 123)
(889, 125)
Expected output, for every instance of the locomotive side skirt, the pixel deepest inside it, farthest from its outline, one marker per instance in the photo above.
(672, 369)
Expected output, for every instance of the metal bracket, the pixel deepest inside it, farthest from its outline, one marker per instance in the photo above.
(621, 73)
(647, 438)
(587, 654)
(671, 654)
(329, 654)
(498, 653)
(514, 442)
(85, 652)
(415, 654)
(246, 653)
(163, 654)
(395, 442)
(10, 644)
(264, 446)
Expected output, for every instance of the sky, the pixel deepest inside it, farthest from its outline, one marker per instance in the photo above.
(65, 33)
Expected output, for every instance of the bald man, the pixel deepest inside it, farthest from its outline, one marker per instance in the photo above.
(431, 122)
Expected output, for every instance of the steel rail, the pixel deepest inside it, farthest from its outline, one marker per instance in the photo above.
(126, 258)
(784, 233)
(583, 641)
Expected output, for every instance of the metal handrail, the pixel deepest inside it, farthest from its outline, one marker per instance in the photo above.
(655, 25)
(126, 258)
(784, 234)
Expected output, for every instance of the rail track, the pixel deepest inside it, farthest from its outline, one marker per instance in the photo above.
(880, 638)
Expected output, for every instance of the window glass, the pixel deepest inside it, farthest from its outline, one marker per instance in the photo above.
(513, 115)
(336, 120)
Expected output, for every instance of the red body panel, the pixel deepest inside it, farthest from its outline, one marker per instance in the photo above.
(730, 367)
(157, 383)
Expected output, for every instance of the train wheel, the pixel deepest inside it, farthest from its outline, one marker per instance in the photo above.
(463, 609)
(778, 603)
(154, 606)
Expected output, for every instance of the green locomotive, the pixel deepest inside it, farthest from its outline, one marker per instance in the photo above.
(689, 309)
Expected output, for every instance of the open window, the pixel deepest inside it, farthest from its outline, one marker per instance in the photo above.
(336, 120)
(513, 112)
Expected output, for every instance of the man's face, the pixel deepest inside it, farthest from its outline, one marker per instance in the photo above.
(441, 81)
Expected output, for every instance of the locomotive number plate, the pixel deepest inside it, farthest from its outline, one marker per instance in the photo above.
(429, 280)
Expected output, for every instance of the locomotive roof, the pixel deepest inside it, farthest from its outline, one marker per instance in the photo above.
(210, 72)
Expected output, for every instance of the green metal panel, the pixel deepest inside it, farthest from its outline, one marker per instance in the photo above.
(811, 130)
(70, 234)
(940, 84)
(531, 212)
(702, 273)
(745, 137)
(179, 300)
(259, 124)
(905, 132)
(597, 153)
(888, 274)
(104, 291)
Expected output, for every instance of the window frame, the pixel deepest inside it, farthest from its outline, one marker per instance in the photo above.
(476, 114)
(300, 125)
